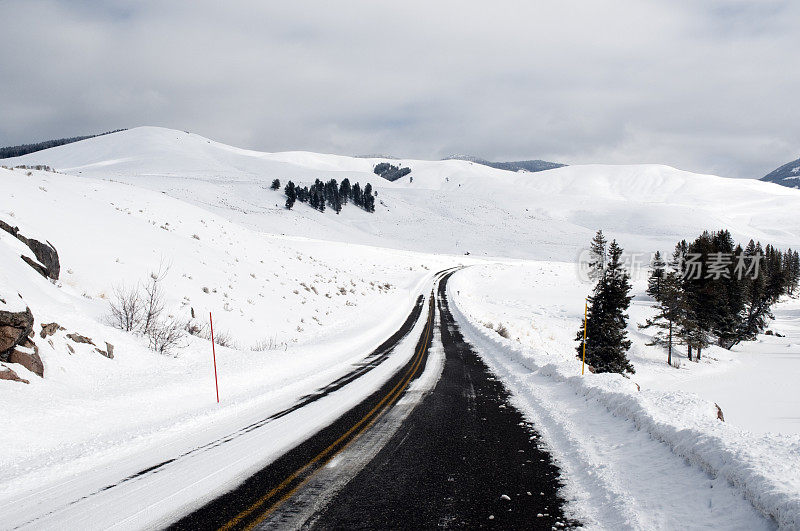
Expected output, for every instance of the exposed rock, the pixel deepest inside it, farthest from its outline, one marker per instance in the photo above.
(71, 350)
(42, 270)
(720, 416)
(109, 352)
(7, 374)
(50, 328)
(27, 355)
(77, 338)
(48, 264)
(14, 329)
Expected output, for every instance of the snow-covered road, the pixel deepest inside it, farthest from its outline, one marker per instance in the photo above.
(158, 485)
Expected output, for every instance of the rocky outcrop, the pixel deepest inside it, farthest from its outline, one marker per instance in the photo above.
(27, 355)
(14, 329)
(7, 374)
(48, 265)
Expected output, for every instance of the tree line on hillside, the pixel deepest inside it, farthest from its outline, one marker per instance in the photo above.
(712, 291)
(24, 149)
(331, 194)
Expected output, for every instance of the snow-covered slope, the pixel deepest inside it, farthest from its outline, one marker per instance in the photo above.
(297, 313)
(442, 206)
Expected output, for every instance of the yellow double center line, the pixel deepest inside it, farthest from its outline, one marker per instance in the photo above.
(331, 451)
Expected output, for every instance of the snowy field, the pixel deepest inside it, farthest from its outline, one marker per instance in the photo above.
(298, 314)
(595, 422)
(302, 295)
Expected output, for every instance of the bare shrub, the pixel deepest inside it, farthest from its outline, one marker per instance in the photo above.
(126, 309)
(139, 309)
(194, 328)
(268, 343)
(166, 335)
(502, 330)
(153, 299)
(224, 339)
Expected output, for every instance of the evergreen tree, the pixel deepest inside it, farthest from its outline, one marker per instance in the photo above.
(757, 303)
(597, 256)
(291, 194)
(670, 316)
(369, 199)
(356, 195)
(345, 190)
(607, 343)
(656, 275)
(794, 273)
(276, 183)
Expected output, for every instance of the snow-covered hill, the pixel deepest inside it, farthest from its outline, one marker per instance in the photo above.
(442, 206)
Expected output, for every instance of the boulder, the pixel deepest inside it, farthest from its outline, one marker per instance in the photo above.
(27, 355)
(7, 374)
(48, 264)
(50, 328)
(14, 329)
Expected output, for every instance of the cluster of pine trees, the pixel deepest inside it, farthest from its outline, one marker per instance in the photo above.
(329, 194)
(606, 343)
(390, 172)
(713, 291)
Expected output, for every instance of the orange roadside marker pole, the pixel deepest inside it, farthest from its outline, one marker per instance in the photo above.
(585, 312)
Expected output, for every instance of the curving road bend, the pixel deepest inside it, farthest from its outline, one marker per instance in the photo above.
(439, 445)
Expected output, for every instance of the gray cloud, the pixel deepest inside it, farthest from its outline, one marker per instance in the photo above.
(704, 85)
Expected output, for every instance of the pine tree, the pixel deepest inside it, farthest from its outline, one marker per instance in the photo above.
(656, 275)
(291, 194)
(671, 311)
(276, 183)
(795, 273)
(369, 199)
(607, 343)
(356, 195)
(597, 256)
(757, 304)
(345, 190)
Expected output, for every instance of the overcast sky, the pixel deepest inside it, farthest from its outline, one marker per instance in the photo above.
(704, 85)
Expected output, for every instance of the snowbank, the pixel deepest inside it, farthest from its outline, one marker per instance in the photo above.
(765, 468)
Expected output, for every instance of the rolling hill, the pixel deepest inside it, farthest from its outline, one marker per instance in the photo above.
(449, 206)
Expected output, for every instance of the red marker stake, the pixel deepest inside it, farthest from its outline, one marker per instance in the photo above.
(214, 353)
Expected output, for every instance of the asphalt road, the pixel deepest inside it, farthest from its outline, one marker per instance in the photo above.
(459, 456)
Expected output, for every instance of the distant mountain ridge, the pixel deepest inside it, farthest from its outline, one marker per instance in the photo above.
(786, 175)
(519, 165)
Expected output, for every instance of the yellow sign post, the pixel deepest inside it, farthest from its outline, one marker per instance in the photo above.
(585, 311)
